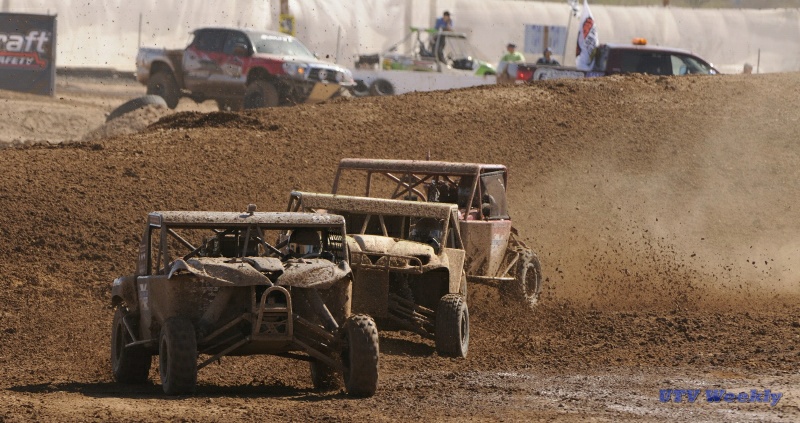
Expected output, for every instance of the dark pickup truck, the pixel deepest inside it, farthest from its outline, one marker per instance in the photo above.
(611, 59)
(240, 68)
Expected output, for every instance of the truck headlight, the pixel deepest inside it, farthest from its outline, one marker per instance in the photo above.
(298, 70)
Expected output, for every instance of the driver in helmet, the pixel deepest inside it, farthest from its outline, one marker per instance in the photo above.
(305, 242)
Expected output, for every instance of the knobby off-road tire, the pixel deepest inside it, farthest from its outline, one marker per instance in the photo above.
(260, 94)
(163, 84)
(136, 104)
(177, 356)
(527, 284)
(360, 356)
(452, 326)
(129, 365)
(324, 377)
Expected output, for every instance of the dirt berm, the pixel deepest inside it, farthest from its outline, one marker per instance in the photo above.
(664, 211)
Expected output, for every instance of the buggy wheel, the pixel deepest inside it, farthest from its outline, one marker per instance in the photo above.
(163, 84)
(260, 94)
(360, 356)
(132, 364)
(324, 377)
(177, 356)
(527, 283)
(452, 326)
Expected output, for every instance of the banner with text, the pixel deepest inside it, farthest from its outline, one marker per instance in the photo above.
(27, 53)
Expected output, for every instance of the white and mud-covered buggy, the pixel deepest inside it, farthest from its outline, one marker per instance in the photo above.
(494, 252)
(408, 263)
(214, 284)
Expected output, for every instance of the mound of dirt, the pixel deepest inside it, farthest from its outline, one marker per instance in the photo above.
(189, 120)
(662, 209)
(129, 123)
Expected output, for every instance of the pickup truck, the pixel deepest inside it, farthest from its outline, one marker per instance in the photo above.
(611, 59)
(240, 68)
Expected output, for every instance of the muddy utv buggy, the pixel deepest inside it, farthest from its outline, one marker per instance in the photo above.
(408, 263)
(494, 253)
(210, 284)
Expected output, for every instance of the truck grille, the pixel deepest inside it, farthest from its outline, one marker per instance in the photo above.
(318, 74)
(336, 244)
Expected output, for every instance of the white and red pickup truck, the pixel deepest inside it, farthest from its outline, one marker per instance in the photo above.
(240, 68)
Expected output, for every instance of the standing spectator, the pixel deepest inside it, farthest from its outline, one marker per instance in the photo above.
(437, 40)
(547, 60)
(512, 56)
(444, 23)
(748, 69)
(506, 73)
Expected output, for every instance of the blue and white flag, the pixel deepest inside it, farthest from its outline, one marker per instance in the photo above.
(587, 39)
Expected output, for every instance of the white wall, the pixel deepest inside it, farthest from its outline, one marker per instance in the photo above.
(105, 32)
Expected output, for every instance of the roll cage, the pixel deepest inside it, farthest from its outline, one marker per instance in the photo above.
(232, 235)
(479, 190)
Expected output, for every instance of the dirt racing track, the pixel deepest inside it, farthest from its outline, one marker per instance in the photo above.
(664, 211)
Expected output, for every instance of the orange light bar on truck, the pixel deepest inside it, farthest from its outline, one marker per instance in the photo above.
(640, 41)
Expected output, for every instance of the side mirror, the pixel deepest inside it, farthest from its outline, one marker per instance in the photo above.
(241, 50)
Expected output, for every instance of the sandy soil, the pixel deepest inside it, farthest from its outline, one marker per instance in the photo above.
(78, 111)
(664, 211)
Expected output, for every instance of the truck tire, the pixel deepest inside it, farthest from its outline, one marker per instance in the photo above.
(324, 377)
(381, 87)
(163, 84)
(452, 326)
(260, 93)
(177, 356)
(360, 356)
(136, 104)
(129, 365)
(527, 284)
